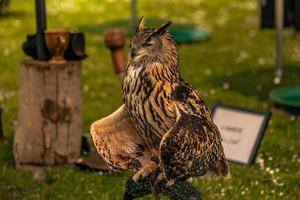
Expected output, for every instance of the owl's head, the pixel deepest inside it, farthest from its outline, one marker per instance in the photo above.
(155, 44)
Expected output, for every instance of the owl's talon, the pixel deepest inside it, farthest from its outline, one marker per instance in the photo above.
(190, 180)
(160, 177)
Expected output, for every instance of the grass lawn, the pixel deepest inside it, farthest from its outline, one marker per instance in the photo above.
(235, 66)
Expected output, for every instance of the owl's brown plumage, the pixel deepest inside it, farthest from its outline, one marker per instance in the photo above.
(171, 123)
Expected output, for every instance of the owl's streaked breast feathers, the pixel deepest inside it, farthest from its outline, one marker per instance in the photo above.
(162, 114)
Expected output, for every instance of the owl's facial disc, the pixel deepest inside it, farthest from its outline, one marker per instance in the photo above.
(149, 46)
(136, 52)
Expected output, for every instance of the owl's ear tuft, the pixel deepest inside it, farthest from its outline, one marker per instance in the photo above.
(141, 24)
(162, 29)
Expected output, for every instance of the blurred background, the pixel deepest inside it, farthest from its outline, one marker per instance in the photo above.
(234, 65)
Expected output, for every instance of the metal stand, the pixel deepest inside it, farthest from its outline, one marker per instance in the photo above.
(40, 10)
(279, 41)
(2, 138)
(133, 13)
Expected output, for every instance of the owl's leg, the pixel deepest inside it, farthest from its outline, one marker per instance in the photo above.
(145, 170)
(161, 177)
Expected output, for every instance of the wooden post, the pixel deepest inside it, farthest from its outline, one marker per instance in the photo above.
(115, 40)
(49, 124)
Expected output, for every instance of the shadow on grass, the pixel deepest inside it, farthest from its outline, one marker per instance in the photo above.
(6, 152)
(125, 24)
(14, 14)
(258, 82)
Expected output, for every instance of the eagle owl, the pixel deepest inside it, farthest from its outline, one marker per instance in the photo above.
(164, 123)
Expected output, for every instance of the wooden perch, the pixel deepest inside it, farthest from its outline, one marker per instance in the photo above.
(115, 41)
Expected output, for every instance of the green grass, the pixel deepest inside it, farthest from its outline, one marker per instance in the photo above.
(238, 54)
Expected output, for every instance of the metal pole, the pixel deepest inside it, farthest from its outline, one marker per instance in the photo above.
(279, 9)
(133, 13)
(1, 129)
(40, 10)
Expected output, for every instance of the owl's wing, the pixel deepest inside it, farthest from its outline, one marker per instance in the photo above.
(190, 148)
(118, 142)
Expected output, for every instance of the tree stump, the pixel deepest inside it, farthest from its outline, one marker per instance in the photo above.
(49, 124)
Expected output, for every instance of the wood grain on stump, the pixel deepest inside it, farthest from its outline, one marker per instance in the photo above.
(49, 124)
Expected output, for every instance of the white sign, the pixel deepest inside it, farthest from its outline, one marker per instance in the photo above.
(241, 131)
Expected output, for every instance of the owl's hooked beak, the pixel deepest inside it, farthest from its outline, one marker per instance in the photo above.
(133, 52)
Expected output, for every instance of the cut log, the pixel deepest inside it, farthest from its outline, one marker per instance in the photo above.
(49, 125)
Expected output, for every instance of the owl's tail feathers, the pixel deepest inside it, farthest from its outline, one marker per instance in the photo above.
(220, 170)
(118, 142)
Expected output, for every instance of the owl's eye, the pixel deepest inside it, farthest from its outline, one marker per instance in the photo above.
(148, 43)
